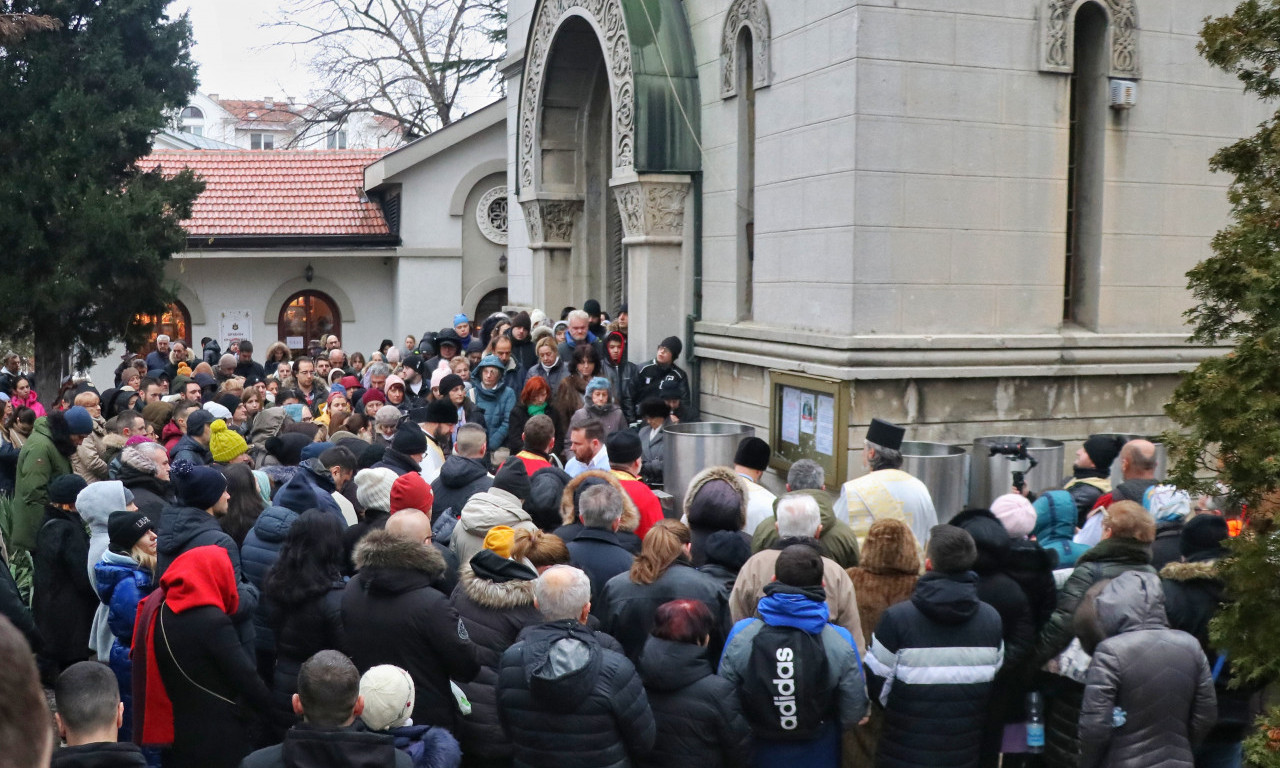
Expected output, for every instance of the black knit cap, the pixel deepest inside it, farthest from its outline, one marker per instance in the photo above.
(513, 478)
(1103, 450)
(623, 447)
(1204, 534)
(64, 489)
(674, 346)
(409, 440)
(125, 528)
(450, 383)
(753, 453)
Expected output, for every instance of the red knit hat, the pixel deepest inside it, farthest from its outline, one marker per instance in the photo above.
(410, 491)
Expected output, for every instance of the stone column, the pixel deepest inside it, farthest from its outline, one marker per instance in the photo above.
(550, 224)
(655, 227)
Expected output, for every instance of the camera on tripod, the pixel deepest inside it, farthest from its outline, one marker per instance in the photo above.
(1017, 452)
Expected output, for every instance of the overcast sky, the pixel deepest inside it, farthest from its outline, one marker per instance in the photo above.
(236, 54)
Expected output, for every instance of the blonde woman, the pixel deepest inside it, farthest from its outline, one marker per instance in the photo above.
(124, 577)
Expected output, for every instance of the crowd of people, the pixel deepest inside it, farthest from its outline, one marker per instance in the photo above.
(457, 552)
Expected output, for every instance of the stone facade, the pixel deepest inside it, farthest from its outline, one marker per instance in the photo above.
(911, 175)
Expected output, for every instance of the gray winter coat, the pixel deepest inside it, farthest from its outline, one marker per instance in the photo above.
(484, 511)
(1158, 676)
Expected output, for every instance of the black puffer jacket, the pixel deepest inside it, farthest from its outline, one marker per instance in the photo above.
(696, 711)
(302, 631)
(260, 551)
(1032, 566)
(934, 714)
(460, 479)
(1167, 546)
(566, 701)
(494, 597)
(628, 608)
(63, 601)
(1193, 595)
(397, 617)
(1158, 676)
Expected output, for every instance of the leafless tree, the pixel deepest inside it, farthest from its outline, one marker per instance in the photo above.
(15, 26)
(403, 61)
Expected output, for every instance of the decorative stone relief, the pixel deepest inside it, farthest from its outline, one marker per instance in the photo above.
(652, 208)
(754, 15)
(606, 15)
(1057, 43)
(491, 215)
(550, 222)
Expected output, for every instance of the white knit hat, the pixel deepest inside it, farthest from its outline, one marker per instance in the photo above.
(218, 410)
(388, 697)
(373, 488)
(1016, 514)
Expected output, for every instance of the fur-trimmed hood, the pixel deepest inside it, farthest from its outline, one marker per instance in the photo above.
(717, 473)
(495, 595)
(568, 510)
(1200, 569)
(384, 551)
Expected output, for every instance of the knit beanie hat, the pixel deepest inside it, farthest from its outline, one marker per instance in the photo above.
(125, 528)
(499, 539)
(1203, 533)
(388, 697)
(674, 346)
(623, 447)
(752, 453)
(410, 491)
(370, 454)
(387, 415)
(63, 489)
(438, 375)
(599, 382)
(218, 410)
(197, 421)
(373, 488)
(513, 478)
(198, 487)
(450, 382)
(409, 440)
(460, 318)
(1016, 514)
(1103, 449)
(373, 396)
(225, 444)
(79, 422)
(521, 320)
(183, 370)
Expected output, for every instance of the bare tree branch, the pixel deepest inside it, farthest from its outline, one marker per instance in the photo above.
(401, 60)
(15, 26)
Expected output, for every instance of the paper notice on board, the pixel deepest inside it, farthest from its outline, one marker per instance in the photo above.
(807, 416)
(825, 438)
(791, 415)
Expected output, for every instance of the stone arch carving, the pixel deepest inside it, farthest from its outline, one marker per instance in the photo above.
(754, 15)
(1057, 37)
(606, 17)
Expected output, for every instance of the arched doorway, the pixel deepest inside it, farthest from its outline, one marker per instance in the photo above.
(491, 302)
(174, 322)
(305, 317)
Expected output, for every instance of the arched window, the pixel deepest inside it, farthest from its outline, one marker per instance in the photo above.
(174, 322)
(746, 200)
(491, 302)
(305, 317)
(191, 120)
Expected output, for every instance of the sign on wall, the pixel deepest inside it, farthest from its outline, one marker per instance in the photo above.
(234, 325)
(809, 420)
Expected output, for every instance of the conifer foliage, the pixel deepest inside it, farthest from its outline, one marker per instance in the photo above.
(83, 234)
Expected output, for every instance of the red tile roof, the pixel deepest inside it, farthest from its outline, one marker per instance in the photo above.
(287, 192)
(281, 112)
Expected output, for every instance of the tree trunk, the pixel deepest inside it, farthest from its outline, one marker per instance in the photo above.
(51, 367)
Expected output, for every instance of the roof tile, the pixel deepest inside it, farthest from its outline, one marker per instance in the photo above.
(287, 192)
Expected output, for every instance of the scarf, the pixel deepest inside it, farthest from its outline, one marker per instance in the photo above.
(537, 410)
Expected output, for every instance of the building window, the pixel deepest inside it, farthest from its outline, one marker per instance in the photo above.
(491, 302)
(174, 322)
(336, 140)
(262, 141)
(191, 120)
(746, 197)
(305, 317)
(491, 215)
(1089, 107)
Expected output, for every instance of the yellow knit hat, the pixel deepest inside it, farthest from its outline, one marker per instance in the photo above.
(499, 539)
(225, 444)
(184, 369)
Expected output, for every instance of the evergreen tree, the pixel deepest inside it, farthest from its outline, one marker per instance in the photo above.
(83, 234)
(1228, 408)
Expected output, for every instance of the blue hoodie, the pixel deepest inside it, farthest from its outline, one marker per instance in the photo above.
(121, 583)
(1056, 525)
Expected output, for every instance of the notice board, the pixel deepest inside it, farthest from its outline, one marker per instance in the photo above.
(809, 419)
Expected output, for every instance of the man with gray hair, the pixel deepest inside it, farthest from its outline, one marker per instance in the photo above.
(158, 358)
(596, 549)
(578, 334)
(562, 667)
(886, 492)
(798, 521)
(839, 542)
(144, 470)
